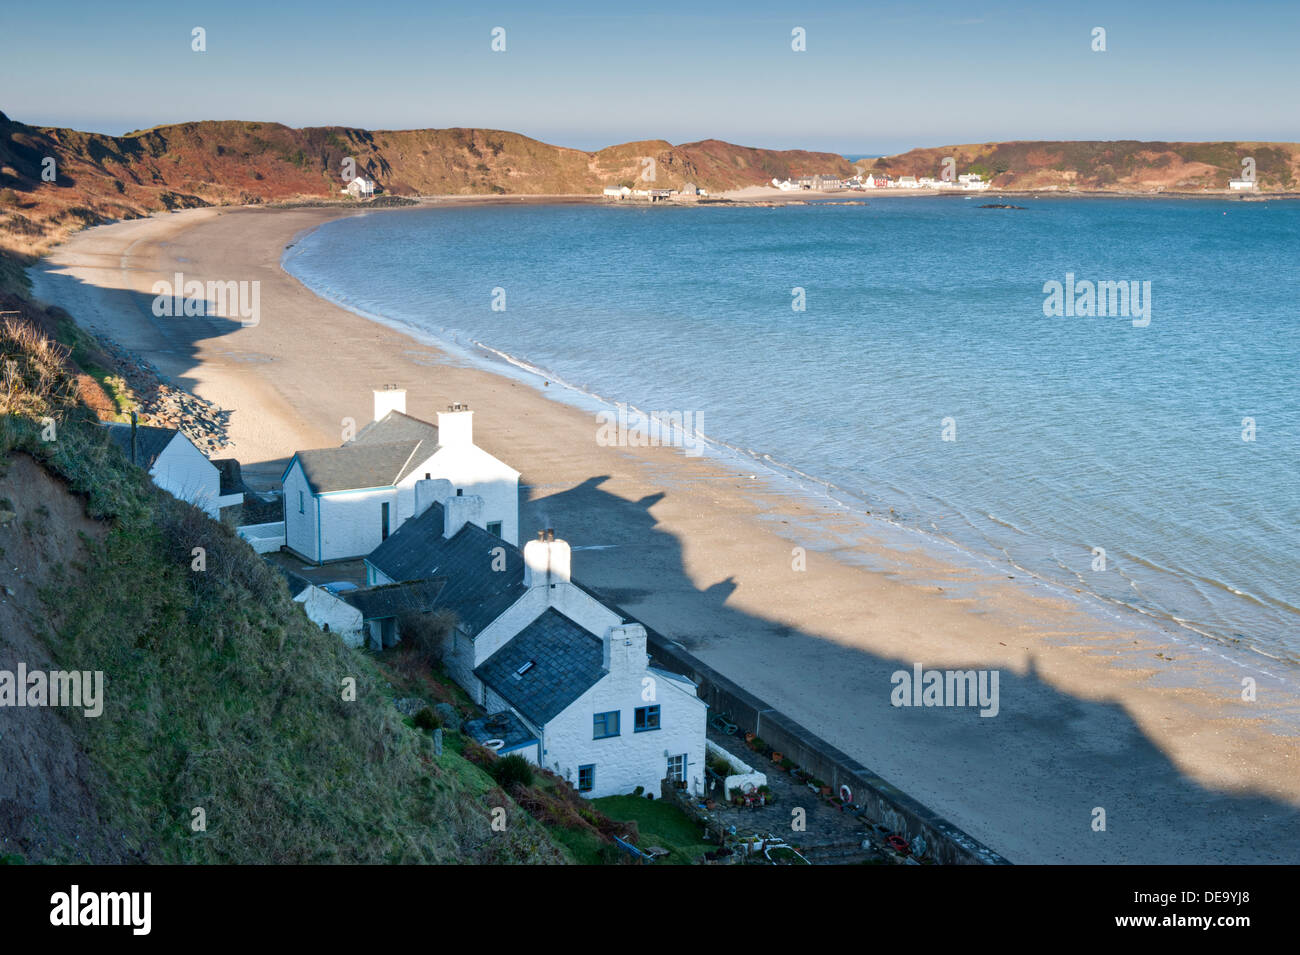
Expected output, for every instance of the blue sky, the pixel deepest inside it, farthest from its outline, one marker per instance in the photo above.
(876, 77)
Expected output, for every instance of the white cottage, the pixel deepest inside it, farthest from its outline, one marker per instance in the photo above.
(566, 677)
(343, 502)
(176, 466)
(360, 188)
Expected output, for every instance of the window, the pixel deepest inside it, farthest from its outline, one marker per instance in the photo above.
(605, 725)
(494, 527)
(460, 492)
(586, 778)
(677, 768)
(300, 501)
(647, 718)
(383, 531)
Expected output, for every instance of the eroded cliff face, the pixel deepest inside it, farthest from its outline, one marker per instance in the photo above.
(50, 806)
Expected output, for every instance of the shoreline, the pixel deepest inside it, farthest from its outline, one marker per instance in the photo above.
(782, 476)
(718, 566)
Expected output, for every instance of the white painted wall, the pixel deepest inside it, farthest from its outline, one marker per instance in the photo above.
(323, 607)
(183, 471)
(472, 469)
(299, 528)
(352, 521)
(263, 538)
(744, 775)
(630, 759)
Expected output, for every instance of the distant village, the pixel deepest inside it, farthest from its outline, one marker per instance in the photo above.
(969, 182)
(966, 182)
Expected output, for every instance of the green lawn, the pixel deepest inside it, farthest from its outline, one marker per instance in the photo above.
(661, 824)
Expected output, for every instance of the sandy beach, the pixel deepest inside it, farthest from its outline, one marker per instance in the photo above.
(1096, 710)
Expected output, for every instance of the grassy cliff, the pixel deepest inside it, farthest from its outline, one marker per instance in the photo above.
(219, 695)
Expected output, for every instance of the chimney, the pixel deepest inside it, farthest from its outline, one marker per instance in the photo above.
(389, 398)
(427, 492)
(455, 426)
(546, 561)
(459, 511)
(625, 649)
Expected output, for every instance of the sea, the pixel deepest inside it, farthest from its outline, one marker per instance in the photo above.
(913, 358)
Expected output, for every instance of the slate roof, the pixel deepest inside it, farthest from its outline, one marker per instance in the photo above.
(383, 453)
(149, 441)
(391, 600)
(567, 660)
(475, 592)
(510, 729)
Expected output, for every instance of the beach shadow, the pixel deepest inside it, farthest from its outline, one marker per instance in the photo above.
(170, 341)
(1029, 781)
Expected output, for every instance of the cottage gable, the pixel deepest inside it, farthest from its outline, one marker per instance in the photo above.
(549, 665)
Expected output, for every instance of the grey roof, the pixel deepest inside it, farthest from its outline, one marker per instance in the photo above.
(475, 592)
(391, 600)
(505, 726)
(382, 454)
(149, 441)
(566, 661)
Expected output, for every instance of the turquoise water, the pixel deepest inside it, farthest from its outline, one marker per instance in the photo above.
(1072, 433)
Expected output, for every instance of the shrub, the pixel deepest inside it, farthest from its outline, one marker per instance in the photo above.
(424, 633)
(426, 719)
(512, 770)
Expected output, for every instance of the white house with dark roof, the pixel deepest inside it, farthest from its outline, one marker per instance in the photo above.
(176, 466)
(343, 502)
(566, 677)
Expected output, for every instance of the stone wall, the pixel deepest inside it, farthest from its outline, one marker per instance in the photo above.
(882, 802)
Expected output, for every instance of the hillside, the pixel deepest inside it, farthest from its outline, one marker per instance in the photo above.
(1121, 166)
(218, 694)
(217, 163)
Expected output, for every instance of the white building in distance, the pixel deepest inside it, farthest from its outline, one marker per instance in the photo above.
(360, 188)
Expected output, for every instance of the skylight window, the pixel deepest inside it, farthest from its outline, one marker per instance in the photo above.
(525, 668)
